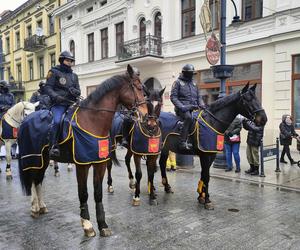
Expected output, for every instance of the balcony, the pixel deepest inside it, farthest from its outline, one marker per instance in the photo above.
(144, 50)
(35, 43)
(16, 87)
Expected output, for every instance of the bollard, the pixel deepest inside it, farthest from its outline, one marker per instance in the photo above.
(262, 172)
(277, 156)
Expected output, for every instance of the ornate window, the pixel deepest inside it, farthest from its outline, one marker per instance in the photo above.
(30, 66)
(104, 43)
(52, 60)
(42, 67)
(188, 18)
(214, 7)
(72, 48)
(157, 25)
(252, 9)
(91, 49)
(119, 37)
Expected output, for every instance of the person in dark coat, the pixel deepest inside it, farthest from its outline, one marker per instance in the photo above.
(254, 138)
(62, 87)
(232, 140)
(186, 97)
(287, 133)
(7, 99)
(41, 97)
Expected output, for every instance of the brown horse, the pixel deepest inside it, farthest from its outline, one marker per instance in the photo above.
(150, 127)
(94, 115)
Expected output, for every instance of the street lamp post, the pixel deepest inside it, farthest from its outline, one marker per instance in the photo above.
(223, 71)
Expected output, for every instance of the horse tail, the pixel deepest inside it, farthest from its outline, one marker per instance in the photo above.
(115, 159)
(25, 178)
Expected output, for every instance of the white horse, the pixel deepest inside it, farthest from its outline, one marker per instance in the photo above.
(14, 117)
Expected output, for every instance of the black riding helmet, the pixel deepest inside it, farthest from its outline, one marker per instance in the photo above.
(65, 55)
(188, 71)
(42, 83)
(3, 84)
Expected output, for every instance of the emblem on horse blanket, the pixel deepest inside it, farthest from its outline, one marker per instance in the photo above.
(8, 132)
(208, 139)
(86, 147)
(144, 144)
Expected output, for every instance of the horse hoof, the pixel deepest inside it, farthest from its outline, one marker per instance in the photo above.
(136, 202)
(57, 174)
(201, 200)
(110, 189)
(43, 210)
(153, 202)
(89, 232)
(34, 214)
(209, 206)
(169, 190)
(105, 232)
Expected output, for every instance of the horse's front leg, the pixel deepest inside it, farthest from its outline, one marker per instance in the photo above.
(162, 163)
(8, 144)
(130, 175)
(99, 171)
(138, 176)
(203, 198)
(110, 188)
(151, 165)
(82, 175)
(56, 169)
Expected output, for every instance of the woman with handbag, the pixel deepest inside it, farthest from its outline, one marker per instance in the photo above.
(232, 140)
(287, 133)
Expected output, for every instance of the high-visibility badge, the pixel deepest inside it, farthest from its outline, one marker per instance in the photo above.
(220, 142)
(15, 132)
(153, 145)
(103, 146)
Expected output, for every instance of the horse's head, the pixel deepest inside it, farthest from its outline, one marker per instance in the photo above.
(250, 107)
(132, 94)
(154, 103)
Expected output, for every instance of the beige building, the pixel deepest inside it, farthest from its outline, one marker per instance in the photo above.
(31, 45)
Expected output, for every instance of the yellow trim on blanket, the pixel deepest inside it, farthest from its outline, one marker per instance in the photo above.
(25, 169)
(200, 116)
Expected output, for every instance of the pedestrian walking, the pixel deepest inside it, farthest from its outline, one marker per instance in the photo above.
(287, 133)
(232, 140)
(254, 138)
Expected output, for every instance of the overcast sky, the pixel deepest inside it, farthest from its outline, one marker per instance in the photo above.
(10, 4)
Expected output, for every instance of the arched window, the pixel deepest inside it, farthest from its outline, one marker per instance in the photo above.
(72, 48)
(157, 25)
(142, 28)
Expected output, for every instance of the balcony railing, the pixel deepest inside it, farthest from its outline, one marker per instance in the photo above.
(15, 87)
(144, 46)
(34, 43)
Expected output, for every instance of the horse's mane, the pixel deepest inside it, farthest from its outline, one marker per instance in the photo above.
(103, 88)
(222, 102)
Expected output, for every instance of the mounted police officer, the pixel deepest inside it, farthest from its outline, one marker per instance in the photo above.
(7, 99)
(41, 97)
(63, 88)
(186, 97)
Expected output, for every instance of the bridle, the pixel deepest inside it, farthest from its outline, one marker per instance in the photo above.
(251, 113)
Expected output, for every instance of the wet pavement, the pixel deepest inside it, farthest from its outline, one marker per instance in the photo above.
(247, 215)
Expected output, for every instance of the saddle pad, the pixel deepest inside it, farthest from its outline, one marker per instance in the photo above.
(209, 139)
(144, 144)
(8, 132)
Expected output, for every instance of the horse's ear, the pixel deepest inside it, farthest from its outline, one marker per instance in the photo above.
(146, 90)
(253, 87)
(130, 70)
(36, 104)
(244, 90)
(162, 92)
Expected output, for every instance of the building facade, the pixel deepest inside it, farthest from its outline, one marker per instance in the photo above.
(160, 36)
(30, 45)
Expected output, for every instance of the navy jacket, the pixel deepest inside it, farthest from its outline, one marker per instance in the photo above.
(61, 81)
(44, 100)
(287, 132)
(7, 100)
(185, 92)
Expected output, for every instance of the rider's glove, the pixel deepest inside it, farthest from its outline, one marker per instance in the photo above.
(60, 99)
(74, 92)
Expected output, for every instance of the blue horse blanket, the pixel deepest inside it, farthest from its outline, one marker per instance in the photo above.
(34, 139)
(8, 132)
(208, 139)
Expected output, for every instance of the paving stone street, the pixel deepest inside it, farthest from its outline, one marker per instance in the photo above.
(266, 217)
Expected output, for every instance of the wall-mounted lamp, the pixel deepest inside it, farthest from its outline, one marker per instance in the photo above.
(236, 21)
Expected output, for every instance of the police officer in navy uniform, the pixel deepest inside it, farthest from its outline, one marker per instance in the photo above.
(41, 97)
(186, 97)
(63, 88)
(7, 99)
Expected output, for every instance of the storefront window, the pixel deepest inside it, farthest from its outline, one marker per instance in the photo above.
(296, 90)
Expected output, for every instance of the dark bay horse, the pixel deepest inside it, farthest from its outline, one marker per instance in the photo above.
(150, 126)
(219, 116)
(95, 115)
